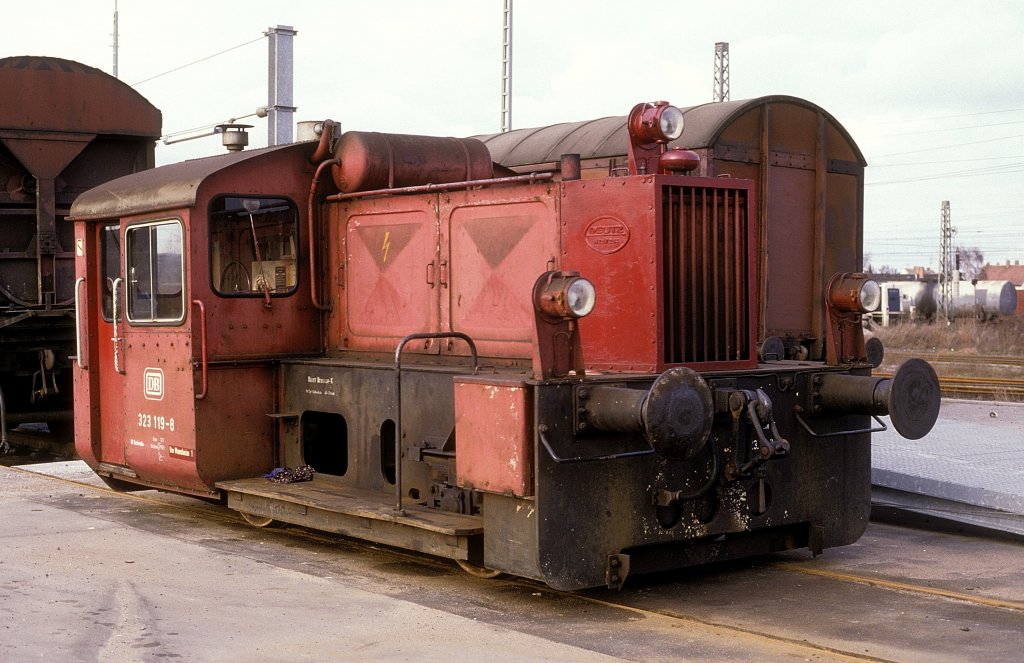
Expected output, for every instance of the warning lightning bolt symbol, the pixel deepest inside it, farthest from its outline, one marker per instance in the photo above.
(387, 244)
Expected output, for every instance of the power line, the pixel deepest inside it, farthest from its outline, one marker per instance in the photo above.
(935, 131)
(227, 50)
(949, 117)
(994, 170)
(946, 147)
(944, 161)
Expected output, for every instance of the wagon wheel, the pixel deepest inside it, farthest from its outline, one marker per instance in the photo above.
(256, 521)
(478, 571)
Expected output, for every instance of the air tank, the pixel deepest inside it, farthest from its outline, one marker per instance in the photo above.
(371, 160)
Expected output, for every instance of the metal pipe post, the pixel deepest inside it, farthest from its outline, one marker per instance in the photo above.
(281, 71)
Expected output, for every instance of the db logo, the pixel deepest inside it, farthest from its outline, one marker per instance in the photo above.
(153, 379)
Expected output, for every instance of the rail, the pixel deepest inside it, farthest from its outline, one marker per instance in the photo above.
(957, 358)
(993, 387)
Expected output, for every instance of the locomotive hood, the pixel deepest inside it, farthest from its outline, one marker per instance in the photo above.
(608, 136)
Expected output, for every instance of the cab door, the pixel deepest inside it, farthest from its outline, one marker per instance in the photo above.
(99, 382)
(156, 366)
(109, 327)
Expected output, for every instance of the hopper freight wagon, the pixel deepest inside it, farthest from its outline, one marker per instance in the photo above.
(64, 128)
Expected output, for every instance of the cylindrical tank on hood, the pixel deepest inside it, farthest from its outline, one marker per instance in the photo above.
(371, 160)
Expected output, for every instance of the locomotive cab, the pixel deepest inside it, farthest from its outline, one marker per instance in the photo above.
(187, 296)
(565, 373)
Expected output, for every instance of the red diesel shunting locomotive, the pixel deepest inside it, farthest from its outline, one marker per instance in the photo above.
(569, 371)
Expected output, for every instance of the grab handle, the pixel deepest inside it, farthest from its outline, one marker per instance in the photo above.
(202, 338)
(115, 314)
(78, 324)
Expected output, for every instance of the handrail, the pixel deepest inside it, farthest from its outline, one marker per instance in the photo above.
(532, 178)
(398, 399)
(858, 431)
(202, 338)
(114, 314)
(543, 429)
(78, 325)
(311, 227)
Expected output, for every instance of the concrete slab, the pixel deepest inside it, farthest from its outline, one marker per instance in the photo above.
(970, 468)
(79, 587)
(91, 575)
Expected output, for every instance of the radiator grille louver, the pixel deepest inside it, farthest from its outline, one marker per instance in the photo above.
(706, 275)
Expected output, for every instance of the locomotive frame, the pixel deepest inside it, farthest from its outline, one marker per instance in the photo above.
(565, 374)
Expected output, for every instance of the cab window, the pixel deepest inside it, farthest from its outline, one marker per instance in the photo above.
(154, 273)
(253, 244)
(110, 266)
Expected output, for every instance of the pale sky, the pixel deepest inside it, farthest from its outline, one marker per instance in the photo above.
(932, 91)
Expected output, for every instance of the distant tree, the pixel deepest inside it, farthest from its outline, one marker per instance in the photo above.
(880, 269)
(971, 260)
(871, 268)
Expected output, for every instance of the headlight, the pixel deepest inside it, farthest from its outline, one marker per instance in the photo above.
(580, 297)
(655, 123)
(870, 296)
(854, 293)
(671, 122)
(564, 295)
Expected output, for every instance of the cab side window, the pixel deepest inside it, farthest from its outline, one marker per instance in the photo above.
(253, 244)
(110, 266)
(154, 272)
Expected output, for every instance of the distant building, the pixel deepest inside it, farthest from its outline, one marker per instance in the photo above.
(1013, 273)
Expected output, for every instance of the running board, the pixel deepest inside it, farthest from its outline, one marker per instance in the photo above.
(325, 505)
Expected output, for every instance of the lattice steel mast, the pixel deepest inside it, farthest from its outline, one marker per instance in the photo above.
(946, 263)
(115, 40)
(721, 91)
(506, 69)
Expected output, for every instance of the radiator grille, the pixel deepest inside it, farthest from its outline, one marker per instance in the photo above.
(706, 274)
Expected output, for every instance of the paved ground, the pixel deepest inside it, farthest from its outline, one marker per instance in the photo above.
(970, 468)
(91, 575)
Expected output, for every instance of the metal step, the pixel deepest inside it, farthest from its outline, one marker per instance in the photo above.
(326, 505)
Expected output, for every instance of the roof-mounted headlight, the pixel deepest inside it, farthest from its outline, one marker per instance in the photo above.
(671, 122)
(658, 122)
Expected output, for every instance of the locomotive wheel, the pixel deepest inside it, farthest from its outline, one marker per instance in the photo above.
(478, 571)
(257, 521)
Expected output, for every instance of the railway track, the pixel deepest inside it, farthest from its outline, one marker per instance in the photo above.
(956, 358)
(959, 374)
(897, 595)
